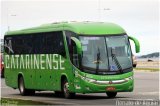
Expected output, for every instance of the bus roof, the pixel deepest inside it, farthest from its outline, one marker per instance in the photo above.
(84, 28)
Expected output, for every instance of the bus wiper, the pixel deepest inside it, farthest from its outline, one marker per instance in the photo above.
(116, 60)
(98, 61)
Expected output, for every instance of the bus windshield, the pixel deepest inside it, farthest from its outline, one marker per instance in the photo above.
(105, 54)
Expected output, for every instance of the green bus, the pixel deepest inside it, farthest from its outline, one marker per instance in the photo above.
(69, 58)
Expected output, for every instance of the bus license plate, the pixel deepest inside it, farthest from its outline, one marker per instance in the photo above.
(111, 88)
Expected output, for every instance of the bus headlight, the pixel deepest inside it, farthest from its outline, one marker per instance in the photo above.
(88, 79)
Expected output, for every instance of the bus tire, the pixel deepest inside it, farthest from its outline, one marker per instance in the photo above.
(58, 93)
(30, 92)
(2, 73)
(111, 94)
(22, 89)
(65, 88)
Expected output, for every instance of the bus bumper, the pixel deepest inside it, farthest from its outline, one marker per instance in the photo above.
(93, 87)
(124, 87)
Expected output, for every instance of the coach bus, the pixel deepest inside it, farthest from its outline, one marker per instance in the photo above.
(69, 58)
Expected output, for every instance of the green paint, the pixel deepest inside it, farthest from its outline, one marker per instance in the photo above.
(45, 77)
(78, 44)
(136, 42)
(89, 28)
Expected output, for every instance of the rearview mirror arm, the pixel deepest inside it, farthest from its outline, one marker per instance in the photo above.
(136, 42)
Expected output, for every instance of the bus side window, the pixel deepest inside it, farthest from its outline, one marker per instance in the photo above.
(72, 51)
(39, 43)
(27, 44)
(8, 42)
(18, 44)
(75, 54)
(55, 43)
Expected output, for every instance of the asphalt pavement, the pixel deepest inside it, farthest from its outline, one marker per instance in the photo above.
(146, 88)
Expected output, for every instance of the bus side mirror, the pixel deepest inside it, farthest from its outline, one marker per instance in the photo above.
(78, 45)
(136, 42)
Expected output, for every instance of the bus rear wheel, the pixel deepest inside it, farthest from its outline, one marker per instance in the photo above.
(58, 93)
(2, 73)
(66, 92)
(111, 94)
(22, 89)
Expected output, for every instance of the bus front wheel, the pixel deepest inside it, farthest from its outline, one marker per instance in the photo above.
(22, 89)
(111, 94)
(66, 92)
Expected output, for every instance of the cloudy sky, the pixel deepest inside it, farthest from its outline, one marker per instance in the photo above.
(140, 18)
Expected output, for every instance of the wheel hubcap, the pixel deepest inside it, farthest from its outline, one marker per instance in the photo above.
(66, 86)
(21, 87)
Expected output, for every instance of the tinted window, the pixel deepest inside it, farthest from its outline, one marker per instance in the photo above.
(27, 44)
(40, 43)
(72, 48)
(70, 34)
(8, 45)
(55, 43)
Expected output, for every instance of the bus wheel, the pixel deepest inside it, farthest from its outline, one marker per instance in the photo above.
(66, 92)
(2, 73)
(22, 89)
(111, 94)
(58, 93)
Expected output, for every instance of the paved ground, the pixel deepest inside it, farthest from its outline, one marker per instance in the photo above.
(146, 87)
